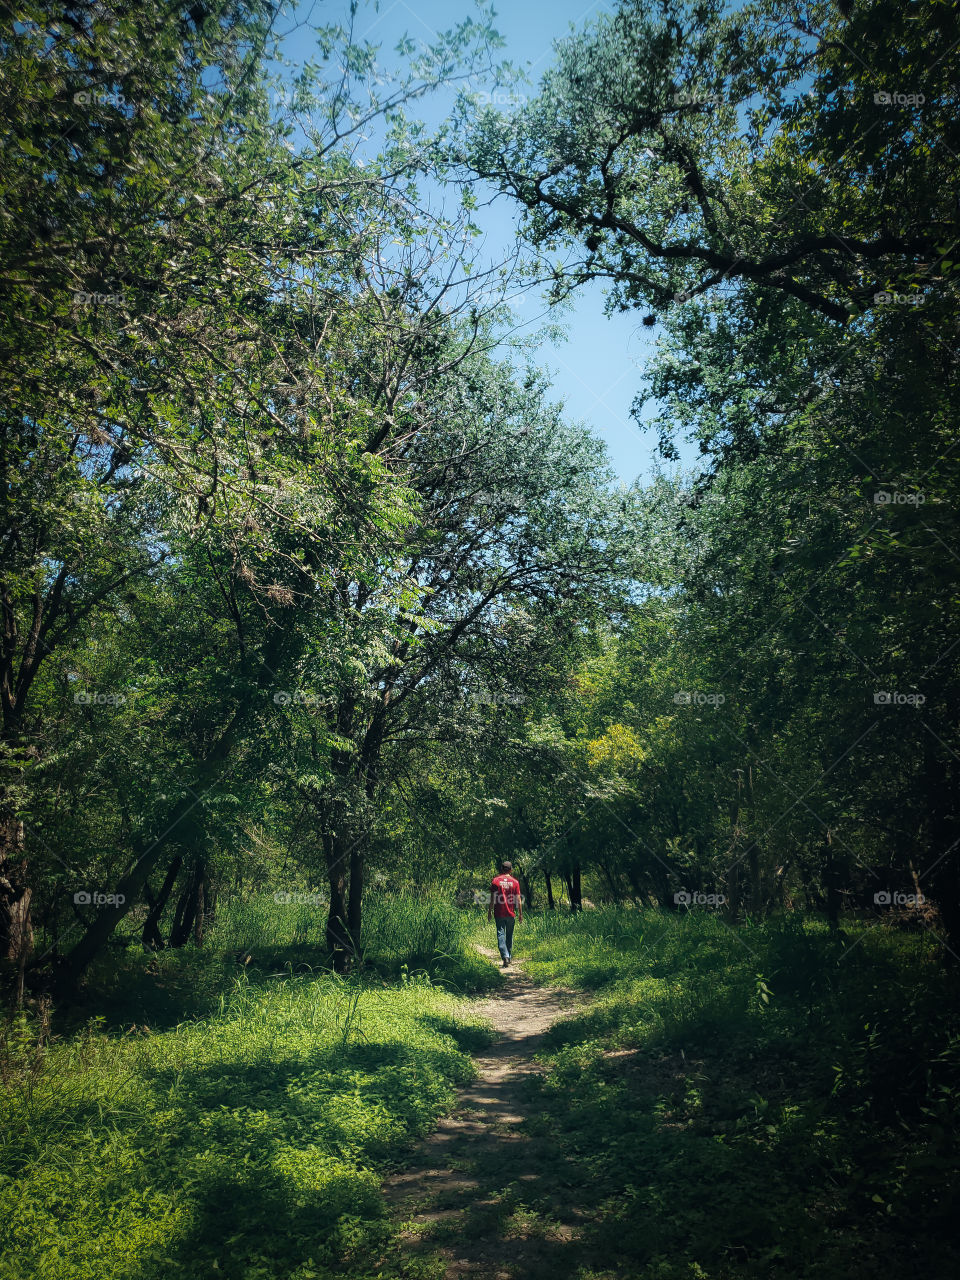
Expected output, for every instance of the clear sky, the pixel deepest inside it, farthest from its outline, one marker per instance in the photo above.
(596, 372)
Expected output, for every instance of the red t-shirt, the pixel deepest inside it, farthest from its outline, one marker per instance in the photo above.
(506, 896)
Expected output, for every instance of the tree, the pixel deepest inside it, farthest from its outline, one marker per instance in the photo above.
(513, 527)
(181, 294)
(682, 150)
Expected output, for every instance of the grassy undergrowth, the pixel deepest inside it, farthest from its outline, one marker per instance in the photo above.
(774, 1102)
(402, 934)
(246, 1142)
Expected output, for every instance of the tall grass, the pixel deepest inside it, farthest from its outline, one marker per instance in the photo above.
(244, 1144)
(808, 1079)
(401, 934)
(226, 1109)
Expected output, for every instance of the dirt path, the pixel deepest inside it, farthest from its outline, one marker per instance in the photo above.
(484, 1197)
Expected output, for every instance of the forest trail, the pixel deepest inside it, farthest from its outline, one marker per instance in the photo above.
(482, 1194)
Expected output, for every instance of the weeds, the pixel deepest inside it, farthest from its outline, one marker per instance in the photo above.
(244, 1142)
(758, 1102)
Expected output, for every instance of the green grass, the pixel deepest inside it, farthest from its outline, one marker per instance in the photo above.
(770, 1102)
(774, 1102)
(248, 1141)
(402, 935)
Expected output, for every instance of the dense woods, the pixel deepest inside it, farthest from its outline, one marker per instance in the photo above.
(306, 578)
(318, 605)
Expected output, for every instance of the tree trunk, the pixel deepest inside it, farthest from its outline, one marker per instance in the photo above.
(831, 882)
(734, 881)
(732, 886)
(638, 894)
(550, 902)
(201, 906)
(130, 885)
(150, 848)
(338, 937)
(16, 926)
(190, 906)
(527, 888)
(615, 889)
(151, 935)
(756, 882)
(205, 914)
(573, 888)
(187, 908)
(355, 904)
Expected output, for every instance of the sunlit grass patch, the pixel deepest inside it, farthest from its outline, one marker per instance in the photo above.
(245, 1144)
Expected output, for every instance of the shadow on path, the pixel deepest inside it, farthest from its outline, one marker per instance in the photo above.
(482, 1197)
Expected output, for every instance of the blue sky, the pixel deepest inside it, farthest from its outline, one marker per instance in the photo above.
(596, 372)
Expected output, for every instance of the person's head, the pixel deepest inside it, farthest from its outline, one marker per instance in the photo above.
(506, 868)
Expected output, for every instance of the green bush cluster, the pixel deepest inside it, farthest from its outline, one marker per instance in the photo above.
(771, 1101)
(246, 1143)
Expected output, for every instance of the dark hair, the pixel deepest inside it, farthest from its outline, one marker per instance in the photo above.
(506, 867)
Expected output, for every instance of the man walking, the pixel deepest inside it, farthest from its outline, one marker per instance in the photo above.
(506, 907)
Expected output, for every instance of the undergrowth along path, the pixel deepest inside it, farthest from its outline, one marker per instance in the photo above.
(482, 1197)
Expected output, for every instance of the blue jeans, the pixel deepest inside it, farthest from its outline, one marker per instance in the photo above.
(505, 935)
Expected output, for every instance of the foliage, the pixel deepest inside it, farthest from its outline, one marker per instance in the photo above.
(249, 1139)
(806, 1084)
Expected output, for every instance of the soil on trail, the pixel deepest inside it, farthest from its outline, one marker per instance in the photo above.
(483, 1197)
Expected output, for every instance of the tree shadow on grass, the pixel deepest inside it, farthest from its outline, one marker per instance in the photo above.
(468, 1037)
(267, 1161)
(162, 990)
(711, 1165)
